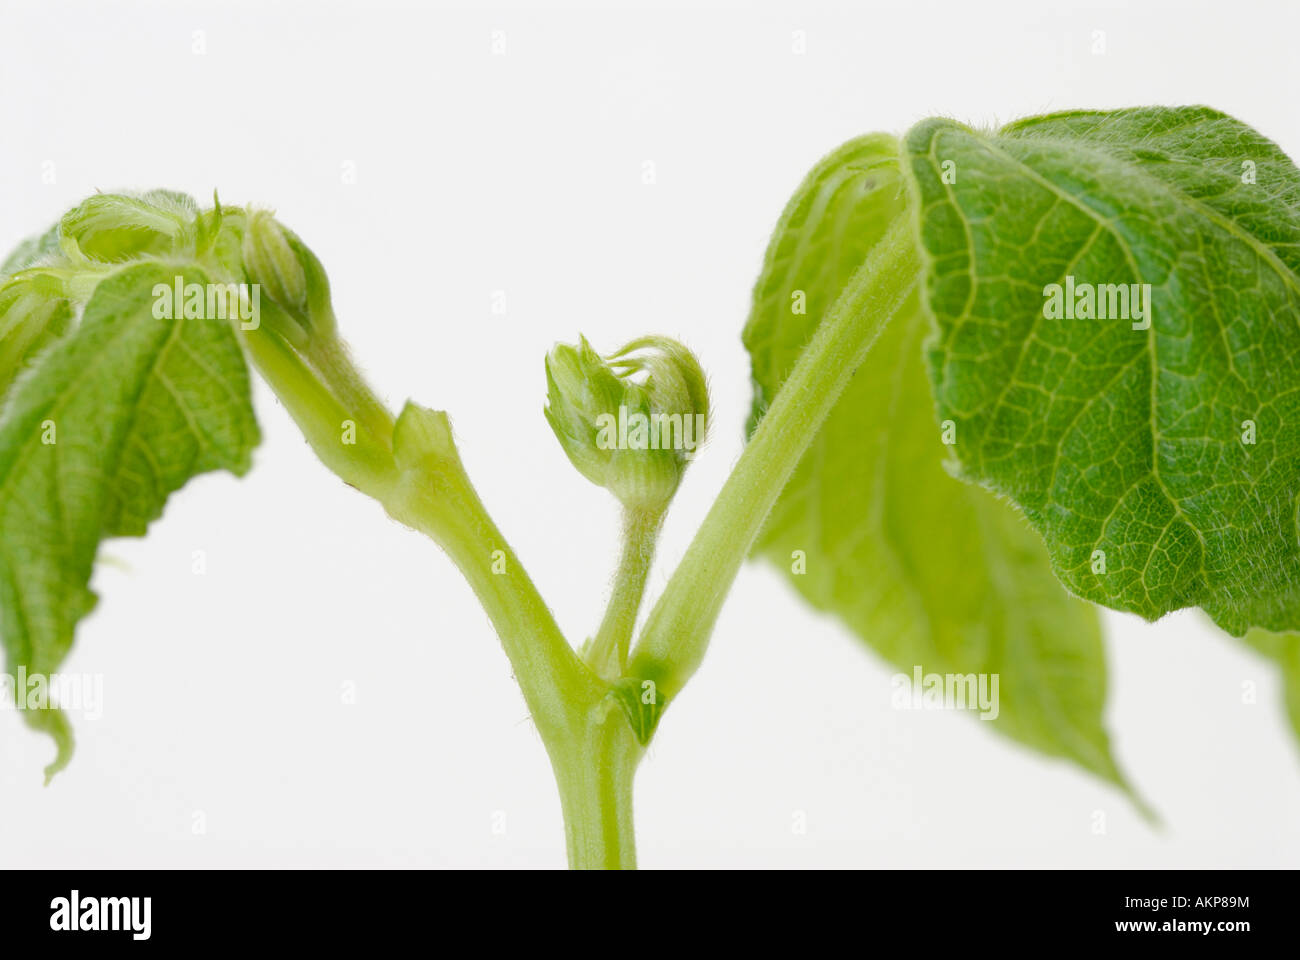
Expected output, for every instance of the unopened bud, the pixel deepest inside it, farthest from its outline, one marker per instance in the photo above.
(288, 273)
(630, 422)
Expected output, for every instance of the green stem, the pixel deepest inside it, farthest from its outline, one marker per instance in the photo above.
(592, 749)
(594, 774)
(367, 464)
(423, 484)
(329, 355)
(437, 498)
(608, 653)
(675, 636)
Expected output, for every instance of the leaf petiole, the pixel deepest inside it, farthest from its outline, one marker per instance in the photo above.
(674, 638)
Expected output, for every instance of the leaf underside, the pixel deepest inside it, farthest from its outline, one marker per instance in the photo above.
(928, 571)
(1284, 650)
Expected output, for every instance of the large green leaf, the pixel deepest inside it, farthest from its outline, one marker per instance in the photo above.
(927, 570)
(115, 417)
(1161, 461)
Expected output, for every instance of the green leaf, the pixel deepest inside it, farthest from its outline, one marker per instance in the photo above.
(35, 249)
(34, 309)
(115, 417)
(114, 227)
(1284, 650)
(928, 571)
(30, 320)
(48, 276)
(1161, 465)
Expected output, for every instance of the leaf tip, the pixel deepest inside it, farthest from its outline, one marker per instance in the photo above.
(1148, 814)
(55, 723)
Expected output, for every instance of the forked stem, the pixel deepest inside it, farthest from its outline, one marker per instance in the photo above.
(594, 752)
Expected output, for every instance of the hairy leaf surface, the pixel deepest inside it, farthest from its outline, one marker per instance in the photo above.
(1159, 457)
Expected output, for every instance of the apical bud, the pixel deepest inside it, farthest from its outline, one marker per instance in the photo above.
(630, 422)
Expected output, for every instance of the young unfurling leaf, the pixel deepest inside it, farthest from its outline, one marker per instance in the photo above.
(115, 227)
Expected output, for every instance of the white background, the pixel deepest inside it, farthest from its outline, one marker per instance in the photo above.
(523, 173)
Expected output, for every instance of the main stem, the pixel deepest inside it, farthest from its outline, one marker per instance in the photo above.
(594, 773)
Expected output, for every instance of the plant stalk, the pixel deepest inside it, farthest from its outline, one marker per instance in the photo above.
(608, 655)
(593, 750)
(676, 634)
(594, 774)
